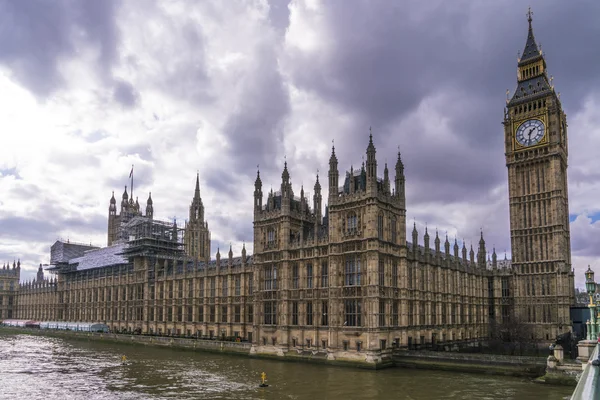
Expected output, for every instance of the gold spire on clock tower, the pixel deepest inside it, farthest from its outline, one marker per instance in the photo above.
(536, 152)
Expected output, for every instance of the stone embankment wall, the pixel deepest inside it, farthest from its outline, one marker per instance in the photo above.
(477, 363)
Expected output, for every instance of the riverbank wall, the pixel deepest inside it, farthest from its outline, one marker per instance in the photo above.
(474, 363)
(449, 361)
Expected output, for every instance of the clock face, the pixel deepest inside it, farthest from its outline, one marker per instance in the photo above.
(530, 132)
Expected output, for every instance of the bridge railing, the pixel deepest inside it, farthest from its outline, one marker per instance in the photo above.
(588, 386)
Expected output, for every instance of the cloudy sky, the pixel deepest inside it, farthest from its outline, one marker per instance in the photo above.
(88, 88)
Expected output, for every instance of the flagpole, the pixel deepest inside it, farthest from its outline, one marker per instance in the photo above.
(131, 181)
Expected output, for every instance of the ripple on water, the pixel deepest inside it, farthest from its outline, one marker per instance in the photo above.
(53, 368)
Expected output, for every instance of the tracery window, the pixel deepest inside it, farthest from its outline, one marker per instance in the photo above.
(352, 271)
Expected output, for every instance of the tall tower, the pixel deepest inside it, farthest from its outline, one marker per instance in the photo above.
(536, 152)
(197, 236)
(113, 221)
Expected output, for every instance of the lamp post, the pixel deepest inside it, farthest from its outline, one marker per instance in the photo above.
(590, 287)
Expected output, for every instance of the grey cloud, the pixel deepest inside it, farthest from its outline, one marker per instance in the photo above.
(27, 229)
(36, 35)
(255, 128)
(125, 94)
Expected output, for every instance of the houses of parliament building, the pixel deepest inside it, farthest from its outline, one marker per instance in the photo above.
(340, 279)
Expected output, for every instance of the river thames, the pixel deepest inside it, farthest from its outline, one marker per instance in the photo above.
(37, 367)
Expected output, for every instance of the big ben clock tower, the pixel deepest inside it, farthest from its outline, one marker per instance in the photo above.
(535, 130)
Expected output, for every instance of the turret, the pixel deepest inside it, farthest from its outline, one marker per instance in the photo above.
(456, 250)
(174, 237)
(386, 180)
(426, 241)
(481, 252)
(258, 195)
(447, 246)
(244, 254)
(333, 176)
(124, 202)
(286, 190)
(40, 274)
(112, 208)
(149, 207)
(399, 184)
(437, 243)
(371, 167)
(317, 201)
(494, 258)
(464, 252)
(415, 238)
(472, 255)
(230, 261)
(218, 258)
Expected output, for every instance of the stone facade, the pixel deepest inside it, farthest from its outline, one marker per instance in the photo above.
(342, 281)
(9, 289)
(536, 156)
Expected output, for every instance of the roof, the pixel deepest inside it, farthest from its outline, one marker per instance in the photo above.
(531, 89)
(99, 258)
(531, 51)
(62, 252)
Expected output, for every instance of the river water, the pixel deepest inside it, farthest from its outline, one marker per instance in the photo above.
(37, 367)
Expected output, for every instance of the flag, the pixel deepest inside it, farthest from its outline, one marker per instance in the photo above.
(131, 173)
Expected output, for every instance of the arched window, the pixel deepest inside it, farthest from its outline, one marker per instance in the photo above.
(351, 222)
(380, 226)
(393, 223)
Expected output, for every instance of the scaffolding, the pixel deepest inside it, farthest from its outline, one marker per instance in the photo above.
(150, 237)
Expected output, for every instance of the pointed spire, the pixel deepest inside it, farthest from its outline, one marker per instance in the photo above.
(197, 189)
(285, 176)
(257, 182)
(531, 50)
(112, 199)
(125, 195)
(149, 202)
(317, 183)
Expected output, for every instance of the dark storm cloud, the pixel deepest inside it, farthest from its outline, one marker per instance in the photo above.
(386, 58)
(125, 94)
(27, 229)
(255, 128)
(36, 35)
(279, 15)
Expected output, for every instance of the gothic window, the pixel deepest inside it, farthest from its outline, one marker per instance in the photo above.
(380, 226)
(223, 313)
(434, 313)
(505, 287)
(324, 313)
(201, 314)
(250, 314)
(295, 276)
(395, 313)
(309, 276)
(409, 276)
(224, 285)
(351, 222)
(352, 271)
(238, 285)
(324, 274)
(394, 273)
(270, 277)
(237, 314)
(270, 236)
(381, 312)
(393, 228)
(381, 272)
(352, 311)
(411, 307)
(251, 283)
(294, 313)
(270, 313)
(309, 313)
